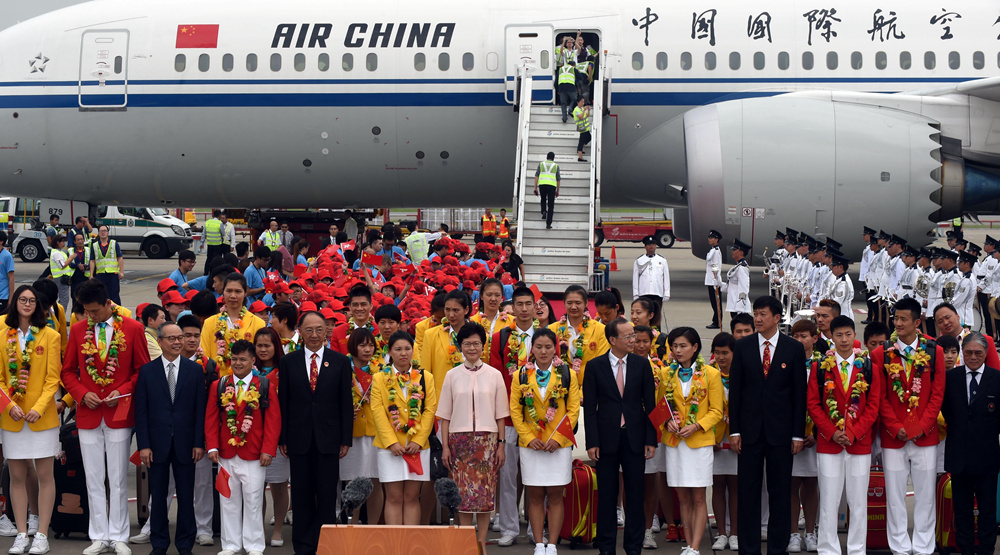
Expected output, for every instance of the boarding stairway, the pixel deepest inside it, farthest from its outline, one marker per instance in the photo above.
(564, 255)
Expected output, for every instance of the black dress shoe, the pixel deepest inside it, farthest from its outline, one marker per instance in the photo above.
(182, 552)
(866, 322)
(158, 552)
(712, 326)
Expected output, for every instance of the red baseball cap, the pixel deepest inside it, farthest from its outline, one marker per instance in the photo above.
(258, 306)
(282, 287)
(328, 314)
(190, 294)
(173, 297)
(165, 285)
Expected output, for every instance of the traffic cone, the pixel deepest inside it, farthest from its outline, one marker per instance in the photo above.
(614, 259)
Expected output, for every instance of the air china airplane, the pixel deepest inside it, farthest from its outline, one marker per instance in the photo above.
(748, 116)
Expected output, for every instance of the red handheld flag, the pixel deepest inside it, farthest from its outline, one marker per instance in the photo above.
(538, 293)
(347, 246)
(197, 36)
(135, 459)
(414, 464)
(565, 429)
(364, 379)
(371, 259)
(122, 410)
(661, 413)
(222, 483)
(4, 399)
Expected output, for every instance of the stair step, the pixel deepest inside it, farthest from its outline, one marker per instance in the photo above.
(564, 279)
(555, 251)
(534, 224)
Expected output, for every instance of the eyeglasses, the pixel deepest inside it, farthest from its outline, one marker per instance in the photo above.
(313, 331)
(27, 300)
(173, 338)
(628, 337)
(471, 344)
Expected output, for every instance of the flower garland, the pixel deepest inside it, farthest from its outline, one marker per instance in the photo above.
(20, 386)
(251, 399)
(292, 345)
(556, 390)
(657, 366)
(455, 355)
(573, 357)
(414, 406)
(503, 320)
(699, 388)
(830, 371)
(512, 359)
(918, 361)
(356, 395)
(223, 337)
(104, 376)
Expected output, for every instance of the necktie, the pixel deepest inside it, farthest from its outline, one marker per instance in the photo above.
(172, 380)
(620, 380)
(973, 386)
(313, 372)
(522, 349)
(845, 375)
(908, 350)
(766, 360)
(239, 391)
(906, 365)
(102, 340)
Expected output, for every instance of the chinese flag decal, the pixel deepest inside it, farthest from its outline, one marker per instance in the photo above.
(197, 36)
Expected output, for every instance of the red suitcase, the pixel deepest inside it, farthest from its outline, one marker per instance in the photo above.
(878, 537)
(945, 531)
(580, 506)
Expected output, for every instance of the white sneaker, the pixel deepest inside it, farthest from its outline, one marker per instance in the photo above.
(812, 544)
(205, 539)
(687, 550)
(720, 543)
(20, 546)
(656, 524)
(121, 548)
(96, 548)
(539, 549)
(507, 541)
(277, 543)
(495, 523)
(795, 543)
(7, 528)
(32, 525)
(734, 543)
(550, 549)
(255, 553)
(288, 518)
(139, 538)
(227, 552)
(621, 517)
(648, 541)
(40, 545)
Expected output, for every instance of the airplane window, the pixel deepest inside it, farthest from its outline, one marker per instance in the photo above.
(904, 60)
(978, 60)
(251, 62)
(371, 61)
(544, 59)
(685, 61)
(300, 62)
(930, 60)
(661, 61)
(807, 60)
(324, 62)
(709, 60)
(881, 60)
(856, 60)
(637, 61)
(734, 61)
(275, 62)
(204, 62)
(227, 62)
(492, 61)
(831, 60)
(419, 61)
(468, 61)
(783, 60)
(347, 62)
(180, 62)
(954, 60)
(444, 61)
(118, 64)
(758, 60)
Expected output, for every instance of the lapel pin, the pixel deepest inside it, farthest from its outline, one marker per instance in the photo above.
(782, 364)
(326, 364)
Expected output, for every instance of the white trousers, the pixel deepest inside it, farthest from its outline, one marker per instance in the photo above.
(204, 505)
(242, 523)
(837, 473)
(510, 525)
(105, 456)
(919, 464)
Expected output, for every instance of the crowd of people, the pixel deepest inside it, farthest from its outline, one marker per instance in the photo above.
(405, 361)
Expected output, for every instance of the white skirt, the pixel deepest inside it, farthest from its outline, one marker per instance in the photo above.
(725, 463)
(659, 461)
(689, 468)
(394, 469)
(278, 471)
(29, 444)
(361, 460)
(804, 464)
(539, 468)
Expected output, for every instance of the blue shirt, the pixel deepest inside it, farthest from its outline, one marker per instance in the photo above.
(7, 265)
(199, 283)
(396, 252)
(302, 260)
(255, 280)
(180, 279)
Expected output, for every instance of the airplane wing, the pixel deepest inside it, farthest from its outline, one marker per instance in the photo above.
(987, 89)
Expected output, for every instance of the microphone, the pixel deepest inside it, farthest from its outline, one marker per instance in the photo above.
(355, 494)
(447, 495)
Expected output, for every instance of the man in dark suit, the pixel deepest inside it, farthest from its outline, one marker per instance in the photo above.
(767, 421)
(317, 424)
(618, 395)
(170, 433)
(972, 453)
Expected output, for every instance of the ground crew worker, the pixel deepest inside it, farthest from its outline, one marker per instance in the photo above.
(107, 264)
(228, 234)
(567, 87)
(270, 238)
(489, 227)
(60, 268)
(585, 77)
(566, 52)
(547, 175)
(52, 229)
(581, 117)
(503, 226)
(213, 238)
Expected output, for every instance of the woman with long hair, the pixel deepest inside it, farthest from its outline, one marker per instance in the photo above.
(544, 313)
(300, 252)
(267, 346)
(362, 460)
(490, 316)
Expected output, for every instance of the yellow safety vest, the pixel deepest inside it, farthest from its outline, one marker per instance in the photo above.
(547, 173)
(59, 272)
(567, 75)
(272, 240)
(503, 229)
(582, 120)
(213, 232)
(225, 233)
(957, 222)
(106, 263)
(416, 246)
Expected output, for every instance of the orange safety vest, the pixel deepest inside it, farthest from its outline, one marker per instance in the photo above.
(503, 229)
(489, 226)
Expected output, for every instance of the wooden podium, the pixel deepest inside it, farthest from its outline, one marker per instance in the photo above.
(397, 540)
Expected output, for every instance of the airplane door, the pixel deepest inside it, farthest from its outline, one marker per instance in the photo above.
(104, 69)
(531, 46)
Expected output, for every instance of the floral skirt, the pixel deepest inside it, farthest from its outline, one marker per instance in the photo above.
(474, 470)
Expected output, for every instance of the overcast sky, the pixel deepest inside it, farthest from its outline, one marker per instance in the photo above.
(12, 11)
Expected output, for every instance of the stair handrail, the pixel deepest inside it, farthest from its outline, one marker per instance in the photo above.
(523, 94)
(596, 132)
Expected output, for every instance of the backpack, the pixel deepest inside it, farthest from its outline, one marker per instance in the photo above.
(563, 376)
(264, 391)
(931, 351)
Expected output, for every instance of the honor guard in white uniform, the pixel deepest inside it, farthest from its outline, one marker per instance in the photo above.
(651, 277)
(965, 295)
(893, 270)
(934, 288)
(908, 279)
(842, 289)
(737, 286)
(983, 272)
(876, 267)
(713, 277)
(950, 278)
(779, 247)
(866, 258)
(791, 246)
(993, 276)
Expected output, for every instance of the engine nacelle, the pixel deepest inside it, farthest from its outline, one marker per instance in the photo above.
(823, 168)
